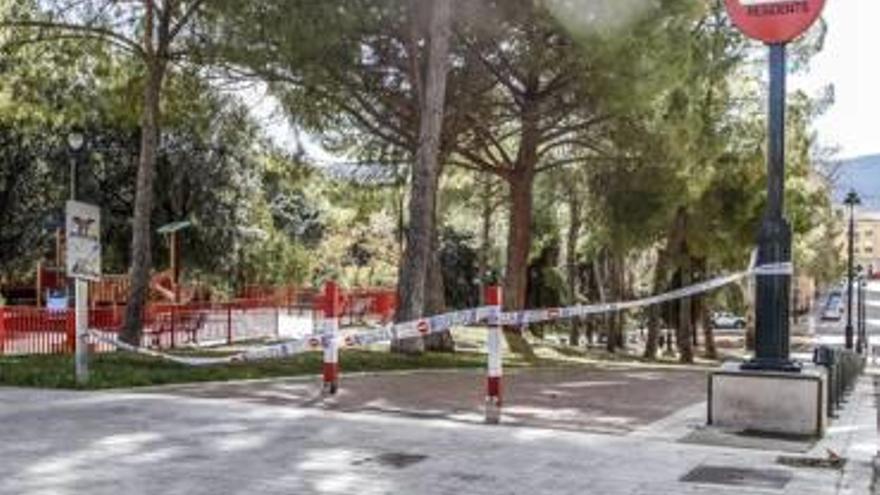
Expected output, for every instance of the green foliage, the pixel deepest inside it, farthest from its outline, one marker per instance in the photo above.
(30, 193)
(459, 262)
(653, 109)
(546, 287)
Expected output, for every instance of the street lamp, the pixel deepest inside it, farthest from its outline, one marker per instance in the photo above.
(852, 200)
(75, 141)
(773, 289)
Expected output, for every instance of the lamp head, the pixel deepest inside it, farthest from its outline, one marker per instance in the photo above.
(852, 198)
(75, 140)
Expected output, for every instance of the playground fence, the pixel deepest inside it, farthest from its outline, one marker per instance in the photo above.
(30, 330)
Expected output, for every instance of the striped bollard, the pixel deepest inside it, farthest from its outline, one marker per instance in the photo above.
(494, 369)
(332, 310)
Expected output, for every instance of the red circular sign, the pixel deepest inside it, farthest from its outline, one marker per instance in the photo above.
(774, 21)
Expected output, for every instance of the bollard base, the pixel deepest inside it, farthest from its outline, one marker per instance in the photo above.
(493, 410)
(329, 388)
(769, 401)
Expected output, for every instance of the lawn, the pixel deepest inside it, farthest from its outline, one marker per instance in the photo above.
(119, 370)
(122, 369)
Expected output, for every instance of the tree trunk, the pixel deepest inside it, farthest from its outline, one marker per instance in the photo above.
(622, 294)
(748, 288)
(574, 232)
(485, 237)
(518, 246)
(708, 332)
(600, 276)
(702, 315)
(651, 344)
(141, 261)
(420, 234)
(435, 302)
(684, 331)
(680, 252)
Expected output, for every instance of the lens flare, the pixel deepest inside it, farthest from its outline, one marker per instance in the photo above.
(599, 17)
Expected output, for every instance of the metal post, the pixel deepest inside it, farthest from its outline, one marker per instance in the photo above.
(82, 331)
(849, 278)
(865, 338)
(863, 320)
(860, 343)
(774, 240)
(71, 284)
(73, 172)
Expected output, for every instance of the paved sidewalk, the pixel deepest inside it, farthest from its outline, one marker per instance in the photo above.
(170, 443)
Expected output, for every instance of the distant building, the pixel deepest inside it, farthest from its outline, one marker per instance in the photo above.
(866, 241)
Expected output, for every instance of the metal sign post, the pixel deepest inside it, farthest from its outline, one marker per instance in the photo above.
(775, 22)
(83, 223)
(774, 240)
(81, 291)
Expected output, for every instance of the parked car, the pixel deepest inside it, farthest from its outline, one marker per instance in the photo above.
(832, 313)
(833, 307)
(728, 320)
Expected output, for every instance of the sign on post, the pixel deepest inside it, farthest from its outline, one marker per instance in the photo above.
(83, 228)
(774, 21)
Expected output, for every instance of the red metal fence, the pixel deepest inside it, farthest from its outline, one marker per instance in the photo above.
(28, 330)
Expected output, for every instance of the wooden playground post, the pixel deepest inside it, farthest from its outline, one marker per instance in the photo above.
(229, 323)
(173, 329)
(2, 330)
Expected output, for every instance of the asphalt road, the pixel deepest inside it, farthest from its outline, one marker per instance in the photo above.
(833, 332)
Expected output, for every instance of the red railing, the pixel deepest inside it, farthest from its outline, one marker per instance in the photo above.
(35, 331)
(28, 330)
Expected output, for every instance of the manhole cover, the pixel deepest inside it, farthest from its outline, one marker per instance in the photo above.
(721, 475)
(397, 460)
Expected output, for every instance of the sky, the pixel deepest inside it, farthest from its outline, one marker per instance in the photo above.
(851, 62)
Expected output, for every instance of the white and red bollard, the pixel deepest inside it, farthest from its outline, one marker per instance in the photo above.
(494, 368)
(329, 339)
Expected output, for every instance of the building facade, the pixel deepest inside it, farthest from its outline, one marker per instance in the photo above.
(866, 241)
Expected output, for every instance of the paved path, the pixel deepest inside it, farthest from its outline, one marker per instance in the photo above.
(582, 399)
(171, 442)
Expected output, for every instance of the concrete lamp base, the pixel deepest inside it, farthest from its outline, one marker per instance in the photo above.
(768, 401)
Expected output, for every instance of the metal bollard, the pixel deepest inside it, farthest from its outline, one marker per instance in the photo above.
(824, 356)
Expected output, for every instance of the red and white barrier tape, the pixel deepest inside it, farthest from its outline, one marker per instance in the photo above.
(330, 340)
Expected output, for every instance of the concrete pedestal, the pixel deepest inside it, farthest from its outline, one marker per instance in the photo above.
(769, 402)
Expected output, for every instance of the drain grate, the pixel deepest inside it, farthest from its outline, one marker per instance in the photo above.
(722, 475)
(397, 460)
(831, 462)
